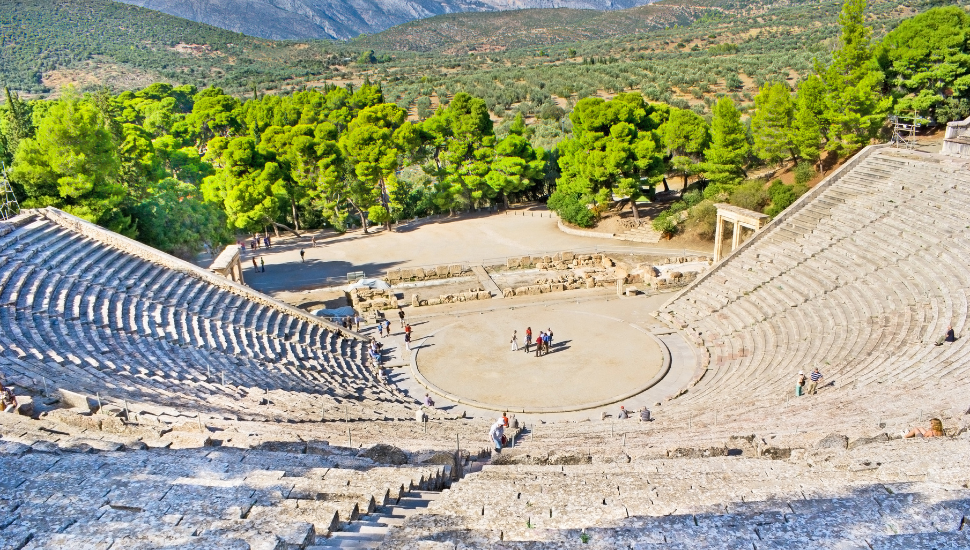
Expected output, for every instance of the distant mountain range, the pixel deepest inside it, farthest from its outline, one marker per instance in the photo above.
(343, 19)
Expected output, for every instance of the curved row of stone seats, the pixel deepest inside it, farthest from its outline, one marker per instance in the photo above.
(64, 496)
(87, 309)
(893, 495)
(860, 279)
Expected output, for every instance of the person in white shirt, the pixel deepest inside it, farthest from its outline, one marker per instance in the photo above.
(496, 433)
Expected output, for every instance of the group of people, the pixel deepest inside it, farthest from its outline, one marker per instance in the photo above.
(351, 322)
(542, 342)
(812, 380)
(643, 414)
(375, 350)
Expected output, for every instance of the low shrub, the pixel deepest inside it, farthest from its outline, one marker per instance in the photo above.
(665, 224)
(750, 195)
(804, 173)
(702, 220)
(571, 209)
(691, 198)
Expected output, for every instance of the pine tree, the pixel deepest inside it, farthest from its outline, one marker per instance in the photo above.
(854, 107)
(807, 123)
(686, 135)
(724, 160)
(771, 123)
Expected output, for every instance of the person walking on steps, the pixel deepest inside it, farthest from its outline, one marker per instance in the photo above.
(400, 314)
(497, 434)
(814, 378)
(302, 255)
(262, 263)
(549, 336)
(357, 322)
(800, 384)
(313, 241)
(255, 265)
(515, 340)
(407, 340)
(539, 344)
(528, 338)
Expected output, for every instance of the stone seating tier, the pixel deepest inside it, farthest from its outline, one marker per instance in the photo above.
(889, 495)
(91, 311)
(194, 498)
(860, 281)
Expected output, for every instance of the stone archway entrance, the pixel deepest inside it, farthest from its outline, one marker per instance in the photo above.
(741, 218)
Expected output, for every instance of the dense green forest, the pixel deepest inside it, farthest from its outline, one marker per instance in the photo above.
(176, 166)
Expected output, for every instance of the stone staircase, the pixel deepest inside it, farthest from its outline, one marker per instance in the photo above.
(891, 496)
(369, 531)
(643, 234)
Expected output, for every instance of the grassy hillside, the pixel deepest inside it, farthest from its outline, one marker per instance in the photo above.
(104, 42)
(499, 31)
(681, 51)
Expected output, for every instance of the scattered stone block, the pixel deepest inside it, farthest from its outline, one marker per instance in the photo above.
(867, 441)
(507, 293)
(557, 287)
(415, 301)
(441, 270)
(419, 273)
(77, 401)
(691, 452)
(454, 270)
(407, 274)
(833, 441)
(484, 295)
(568, 256)
(776, 453)
(512, 263)
(385, 454)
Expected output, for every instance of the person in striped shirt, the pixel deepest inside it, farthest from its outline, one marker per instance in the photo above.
(813, 384)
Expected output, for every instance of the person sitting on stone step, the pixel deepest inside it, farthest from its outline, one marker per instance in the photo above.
(8, 401)
(428, 402)
(935, 430)
(948, 337)
(644, 414)
(622, 415)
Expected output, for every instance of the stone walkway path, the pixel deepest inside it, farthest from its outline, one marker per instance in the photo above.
(486, 281)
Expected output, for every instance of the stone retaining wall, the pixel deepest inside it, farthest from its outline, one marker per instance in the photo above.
(559, 260)
(466, 296)
(405, 274)
(372, 299)
(582, 233)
